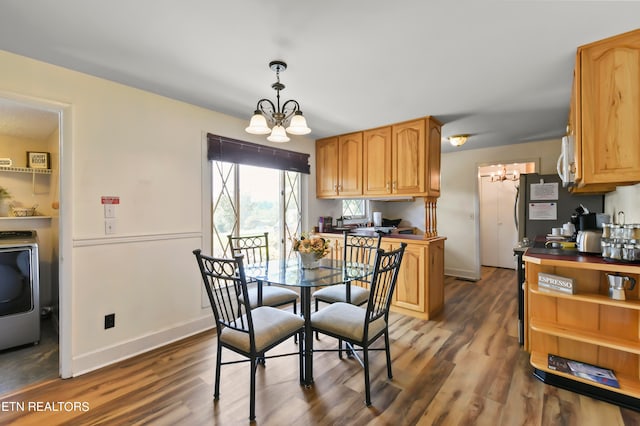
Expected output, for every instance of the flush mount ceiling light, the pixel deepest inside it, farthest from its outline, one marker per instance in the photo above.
(289, 113)
(458, 140)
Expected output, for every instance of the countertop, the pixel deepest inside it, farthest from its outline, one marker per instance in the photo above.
(573, 258)
(412, 237)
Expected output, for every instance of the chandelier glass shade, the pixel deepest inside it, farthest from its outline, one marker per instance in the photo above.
(289, 114)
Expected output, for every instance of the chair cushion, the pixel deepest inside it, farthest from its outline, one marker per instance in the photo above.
(269, 325)
(346, 320)
(271, 296)
(338, 293)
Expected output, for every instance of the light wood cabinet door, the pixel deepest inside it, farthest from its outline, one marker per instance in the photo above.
(327, 167)
(408, 158)
(336, 245)
(434, 145)
(350, 164)
(410, 287)
(435, 274)
(610, 110)
(377, 161)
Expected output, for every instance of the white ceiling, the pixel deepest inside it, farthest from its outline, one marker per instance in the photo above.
(498, 70)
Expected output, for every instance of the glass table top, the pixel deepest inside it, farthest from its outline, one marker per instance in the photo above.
(291, 273)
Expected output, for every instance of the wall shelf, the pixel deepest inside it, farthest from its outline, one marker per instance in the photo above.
(25, 217)
(26, 170)
(32, 172)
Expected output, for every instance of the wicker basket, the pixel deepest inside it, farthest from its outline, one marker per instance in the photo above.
(23, 211)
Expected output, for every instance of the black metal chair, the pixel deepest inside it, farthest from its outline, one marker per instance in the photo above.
(358, 249)
(255, 330)
(255, 249)
(362, 326)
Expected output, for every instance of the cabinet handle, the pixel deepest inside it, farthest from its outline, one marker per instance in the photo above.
(394, 184)
(387, 186)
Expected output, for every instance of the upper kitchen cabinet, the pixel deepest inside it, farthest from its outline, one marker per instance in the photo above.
(409, 155)
(605, 112)
(339, 166)
(377, 161)
(402, 159)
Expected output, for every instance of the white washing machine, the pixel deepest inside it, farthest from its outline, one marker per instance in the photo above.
(19, 289)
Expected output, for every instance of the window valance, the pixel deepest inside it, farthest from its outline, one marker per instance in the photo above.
(221, 148)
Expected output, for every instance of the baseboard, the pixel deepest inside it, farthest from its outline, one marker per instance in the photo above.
(128, 349)
(462, 274)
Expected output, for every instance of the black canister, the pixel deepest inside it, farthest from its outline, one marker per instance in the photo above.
(587, 221)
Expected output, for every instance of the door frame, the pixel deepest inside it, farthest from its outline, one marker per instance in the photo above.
(65, 221)
(536, 165)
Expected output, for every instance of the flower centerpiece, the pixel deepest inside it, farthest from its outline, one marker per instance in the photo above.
(310, 249)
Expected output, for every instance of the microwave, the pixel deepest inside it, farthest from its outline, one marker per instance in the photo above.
(566, 160)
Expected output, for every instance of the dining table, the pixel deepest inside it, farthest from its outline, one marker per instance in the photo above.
(291, 273)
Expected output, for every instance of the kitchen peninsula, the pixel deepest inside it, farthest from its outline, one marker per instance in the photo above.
(588, 326)
(420, 287)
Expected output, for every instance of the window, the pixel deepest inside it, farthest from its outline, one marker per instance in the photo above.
(251, 200)
(354, 209)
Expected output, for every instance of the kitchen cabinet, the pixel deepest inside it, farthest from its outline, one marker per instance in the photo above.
(403, 159)
(587, 326)
(605, 113)
(377, 161)
(336, 242)
(339, 166)
(420, 287)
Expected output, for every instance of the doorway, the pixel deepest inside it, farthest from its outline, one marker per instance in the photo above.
(498, 186)
(37, 125)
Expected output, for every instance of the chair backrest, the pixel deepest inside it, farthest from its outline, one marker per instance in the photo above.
(360, 248)
(255, 248)
(225, 282)
(383, 283)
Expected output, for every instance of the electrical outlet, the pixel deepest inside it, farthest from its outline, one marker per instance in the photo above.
(109, 321)
(109, 226)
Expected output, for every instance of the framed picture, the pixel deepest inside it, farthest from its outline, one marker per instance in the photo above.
(38, 160)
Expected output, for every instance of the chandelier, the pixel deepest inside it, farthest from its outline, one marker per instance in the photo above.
(289, 113)
(503, 175)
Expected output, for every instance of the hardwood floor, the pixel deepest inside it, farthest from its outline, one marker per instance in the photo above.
(465, 367)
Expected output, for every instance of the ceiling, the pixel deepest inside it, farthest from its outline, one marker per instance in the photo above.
(498, 70)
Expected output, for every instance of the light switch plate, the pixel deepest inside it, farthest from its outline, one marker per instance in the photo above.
(109, 226)
(109, 210)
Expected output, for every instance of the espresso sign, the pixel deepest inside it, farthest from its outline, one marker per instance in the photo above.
(555, 283)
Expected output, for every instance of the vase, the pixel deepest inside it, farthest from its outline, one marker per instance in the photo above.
(309, 260)
(4, 208)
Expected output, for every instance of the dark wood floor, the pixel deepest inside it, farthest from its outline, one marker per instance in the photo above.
(465, 367)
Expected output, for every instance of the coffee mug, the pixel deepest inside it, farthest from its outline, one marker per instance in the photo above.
(568, 229)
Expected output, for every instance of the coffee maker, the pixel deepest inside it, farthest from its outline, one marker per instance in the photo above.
(583, 220)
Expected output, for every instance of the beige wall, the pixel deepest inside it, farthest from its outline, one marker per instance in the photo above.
(149, 151)
(458, 203)
(624, 199)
